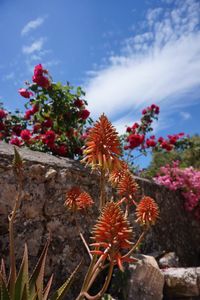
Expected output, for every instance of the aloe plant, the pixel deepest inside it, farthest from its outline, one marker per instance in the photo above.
(21, 286)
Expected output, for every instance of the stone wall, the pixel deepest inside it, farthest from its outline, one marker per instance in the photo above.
(47, 178)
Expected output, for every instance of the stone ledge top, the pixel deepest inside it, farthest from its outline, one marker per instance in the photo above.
(7, 150)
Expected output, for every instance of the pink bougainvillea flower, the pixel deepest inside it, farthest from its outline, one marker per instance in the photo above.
(25, 93)
(25, 135)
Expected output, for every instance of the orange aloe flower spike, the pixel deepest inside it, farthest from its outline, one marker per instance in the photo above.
(84, 201)
(147, 211)
(112, 232)
(127, 187)
(71, 198)
(102, 146)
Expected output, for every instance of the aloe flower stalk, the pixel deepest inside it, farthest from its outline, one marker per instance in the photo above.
(102, 151)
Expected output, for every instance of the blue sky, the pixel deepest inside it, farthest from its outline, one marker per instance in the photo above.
(126, 54)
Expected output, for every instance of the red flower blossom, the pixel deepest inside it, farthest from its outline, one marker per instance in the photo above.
(111, 234)
(49, 137)
(25, 135)
(16, 141)
(167, 146)
(147, 211)
(144, 111)
(151, 143)
(161, 139)
(39, 77)
(135, 126)
(25, 93)
(61, 150)
(135, 140)
(78, 103)
(36, 127)
(2, 126)
(35, 108)
(47, 123)
(128, 129)
(84, 114)
(17, 129)
(3, 114)
(38, 70)
(28, 114)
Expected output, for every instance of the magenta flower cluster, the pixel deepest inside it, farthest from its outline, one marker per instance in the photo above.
(186, 180)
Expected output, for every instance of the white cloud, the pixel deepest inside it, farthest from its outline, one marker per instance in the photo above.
(33, 24)
(34, 47)
(185, 115)
(9, 76)
(161, 65)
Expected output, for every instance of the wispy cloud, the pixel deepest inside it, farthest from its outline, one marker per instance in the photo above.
(161, 64)
(33, 24)
(9, 76)
(185, 115)
(34, 47)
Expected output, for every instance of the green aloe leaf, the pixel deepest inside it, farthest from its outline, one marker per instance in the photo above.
(36, 280)
(60, 293)
(4, 295)
(21, 286)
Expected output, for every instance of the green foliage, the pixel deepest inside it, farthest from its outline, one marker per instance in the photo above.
(21, 287)
(54, 120)
(189, 155)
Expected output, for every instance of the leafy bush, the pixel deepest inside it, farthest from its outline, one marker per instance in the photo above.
(138, 138)
(54, 119)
